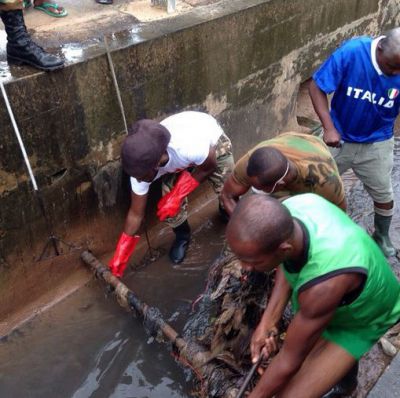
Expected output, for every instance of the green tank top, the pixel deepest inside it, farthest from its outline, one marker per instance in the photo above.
(337, 245)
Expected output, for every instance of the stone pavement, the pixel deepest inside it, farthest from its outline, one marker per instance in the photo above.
(77, 36)
(84, 13)
(87, 20)
(388, 385)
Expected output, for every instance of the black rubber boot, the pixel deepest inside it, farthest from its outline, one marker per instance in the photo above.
(179, 247)
(20, 47)
(381, 234)
(345, 386)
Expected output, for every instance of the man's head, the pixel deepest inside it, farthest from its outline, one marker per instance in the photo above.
(268, 169)
(260, 233)
(388, 53)
(143, 149)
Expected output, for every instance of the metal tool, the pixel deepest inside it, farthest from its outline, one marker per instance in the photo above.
(52, 238)
(249, 376)
(115, 81)
(122, 109)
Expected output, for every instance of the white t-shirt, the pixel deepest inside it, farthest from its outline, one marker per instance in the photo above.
(192, 135)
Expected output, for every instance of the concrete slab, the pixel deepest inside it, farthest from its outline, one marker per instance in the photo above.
(78, 35)
(388, 385)
(83, 14)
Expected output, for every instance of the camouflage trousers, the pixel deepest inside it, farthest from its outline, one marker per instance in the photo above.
(8, 5)
(225, 164)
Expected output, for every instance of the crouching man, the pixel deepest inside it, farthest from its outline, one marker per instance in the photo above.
(343, 291)
(286, 165)
(184, 150)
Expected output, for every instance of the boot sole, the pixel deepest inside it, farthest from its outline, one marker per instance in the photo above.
(20, 61)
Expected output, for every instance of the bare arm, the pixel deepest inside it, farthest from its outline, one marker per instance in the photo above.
(317, 307)
(321, 106)
(272, 315)
(135, 214)
(201, 172)
(231, 193)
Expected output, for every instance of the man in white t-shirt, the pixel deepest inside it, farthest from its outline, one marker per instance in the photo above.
(184, 150)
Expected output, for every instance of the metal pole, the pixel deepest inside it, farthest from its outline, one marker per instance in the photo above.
(121, 105)
(28, 166)
(249, 376)
(122, 109)
(17, 133)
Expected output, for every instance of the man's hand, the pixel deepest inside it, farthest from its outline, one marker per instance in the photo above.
(321, 106)
(264, 337)
(263, 341)
(231, 192)
(170, 203)
(332, 138)
(125, 247)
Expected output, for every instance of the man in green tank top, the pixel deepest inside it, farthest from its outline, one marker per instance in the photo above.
(343, 291)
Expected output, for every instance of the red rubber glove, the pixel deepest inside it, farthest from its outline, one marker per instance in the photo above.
(125, 247)
(170, 203)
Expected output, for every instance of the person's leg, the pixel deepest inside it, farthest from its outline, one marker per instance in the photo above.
(325, 366)
(11, 5)
(344, 156)
(374, 169)
(345, 386)
(225, 165)
(20, 47)
(50, 8)
(179, 224)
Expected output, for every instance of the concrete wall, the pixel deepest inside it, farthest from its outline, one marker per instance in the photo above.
(240, 60)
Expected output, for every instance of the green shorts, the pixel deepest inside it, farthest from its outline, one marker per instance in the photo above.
(359, 340)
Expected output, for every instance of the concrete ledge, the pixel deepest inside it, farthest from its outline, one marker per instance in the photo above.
(388, 385)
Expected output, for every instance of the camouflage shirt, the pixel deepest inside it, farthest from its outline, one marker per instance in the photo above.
(316, 169)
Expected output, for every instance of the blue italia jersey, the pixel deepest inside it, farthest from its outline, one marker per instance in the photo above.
(366, 102)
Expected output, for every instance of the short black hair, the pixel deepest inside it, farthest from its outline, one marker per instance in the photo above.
(262, 220)
(268, 164)
(142, 149)
(390, 43)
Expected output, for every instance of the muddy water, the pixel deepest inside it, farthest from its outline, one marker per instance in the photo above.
(87, 346)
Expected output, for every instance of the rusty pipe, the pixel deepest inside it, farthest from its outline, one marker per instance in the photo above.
(189, 352)
(127, 298)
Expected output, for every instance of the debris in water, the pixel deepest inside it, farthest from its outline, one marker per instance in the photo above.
(226, 316)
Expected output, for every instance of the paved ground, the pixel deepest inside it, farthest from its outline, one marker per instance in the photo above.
(388, 386)
(79, 33)
(86, 17)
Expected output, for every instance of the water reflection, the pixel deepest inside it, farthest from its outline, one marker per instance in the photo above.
(91, 348)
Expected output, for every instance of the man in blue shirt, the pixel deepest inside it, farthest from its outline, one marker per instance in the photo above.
(364, 76)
